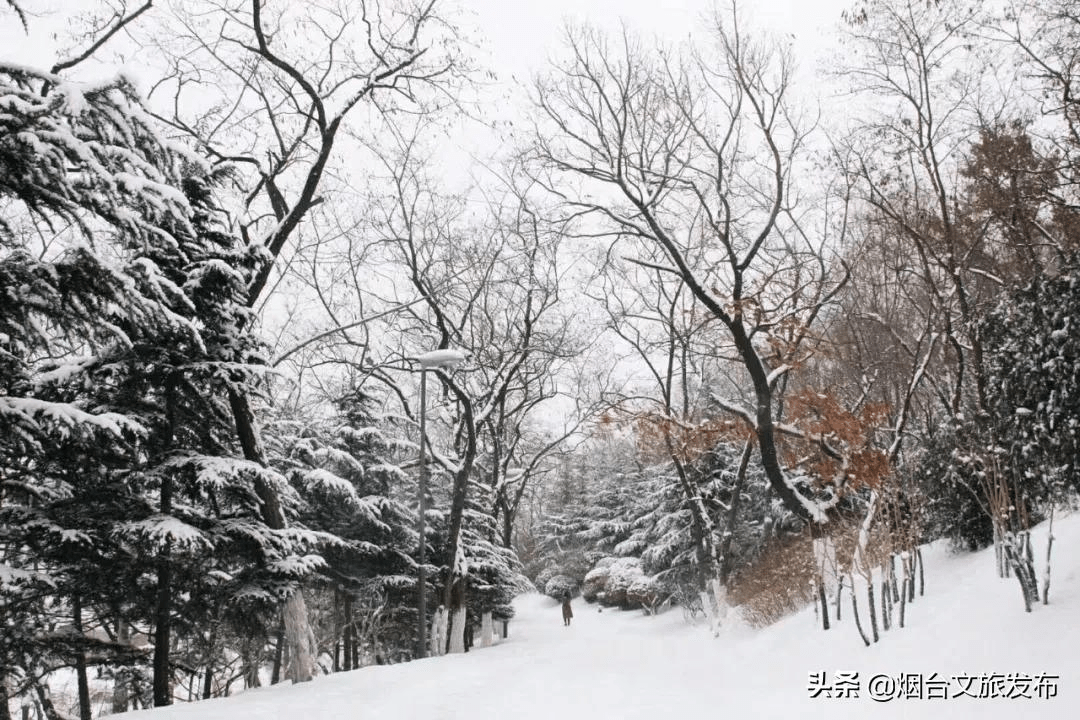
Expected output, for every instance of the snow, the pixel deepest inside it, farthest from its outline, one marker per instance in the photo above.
(64, 372)
(161, 530)
(633, 667)
(65, 416)
(441, 358)
(328, 483)
(11, 578)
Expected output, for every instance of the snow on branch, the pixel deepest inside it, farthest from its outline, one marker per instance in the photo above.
(777, 374)
(164, 531)
(327, 483)
(12, 578)
(814, 510)
(734, 409)
(77, 149)
(297, 566)
(218, 473)
(441, 359)
(65, 418)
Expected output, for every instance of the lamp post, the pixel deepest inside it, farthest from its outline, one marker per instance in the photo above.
(433, 360)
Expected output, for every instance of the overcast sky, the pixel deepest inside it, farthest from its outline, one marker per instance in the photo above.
(516, 40)
(523, 33)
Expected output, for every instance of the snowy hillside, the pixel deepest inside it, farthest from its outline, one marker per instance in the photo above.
(970, 624)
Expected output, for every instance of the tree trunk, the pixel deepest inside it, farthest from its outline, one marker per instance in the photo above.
(892, 578)
(456, 640)
(350, 634)
(903, 600)
(301, 638)
(1049, 546)
(251, 669)
(508, 527)
(279, 647)
(922, 579)
(85, 711)
(855, 611)
(122, 677)
(121, 680)
(732, 515)
(886, 602)
(297, 625)
(163, 608)
(486, 630)
(909, 573)
(438, 632)
(720, 596)
(45, 702)
(710, 611)
(825, 559)
(5, 710)
(999, 551)
(357, 646)
(457, 566)
(720, 583)
(208, 678)
(873, 611)
(824, 600)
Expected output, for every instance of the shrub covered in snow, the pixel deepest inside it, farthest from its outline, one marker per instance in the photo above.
(645, 592)
(623, 573)
(596, 579)
(561, 586)
(542, 577)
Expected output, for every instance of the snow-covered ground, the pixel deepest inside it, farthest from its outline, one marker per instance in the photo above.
(625, 665)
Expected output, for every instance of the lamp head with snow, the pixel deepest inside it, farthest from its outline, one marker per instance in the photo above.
(441, 359)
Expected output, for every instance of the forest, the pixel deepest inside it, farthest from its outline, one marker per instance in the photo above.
(294, 381)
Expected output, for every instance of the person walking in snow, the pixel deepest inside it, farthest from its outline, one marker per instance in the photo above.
(567, 611)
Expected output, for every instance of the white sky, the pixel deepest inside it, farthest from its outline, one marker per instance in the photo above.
(517, 38)
(522, 34)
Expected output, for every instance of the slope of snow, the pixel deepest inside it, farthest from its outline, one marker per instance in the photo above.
(625, 665)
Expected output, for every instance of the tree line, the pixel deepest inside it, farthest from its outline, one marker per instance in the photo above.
(718, 345)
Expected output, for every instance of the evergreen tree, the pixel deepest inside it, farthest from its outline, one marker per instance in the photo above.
(1033, 352)
(343, 470)
(118, 344)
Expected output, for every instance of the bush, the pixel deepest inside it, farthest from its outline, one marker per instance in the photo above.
(561, 587)
(595, 579)
(644, 592)
(779, 583)
(542, 577)
(623, 573)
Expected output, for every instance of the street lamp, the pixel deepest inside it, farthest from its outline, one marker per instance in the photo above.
(434, 360)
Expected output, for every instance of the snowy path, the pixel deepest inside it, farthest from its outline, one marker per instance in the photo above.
(627, 666)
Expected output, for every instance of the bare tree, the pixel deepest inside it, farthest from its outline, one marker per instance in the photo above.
(489, 287)
(692, 158)
(908, 150)
(1044, 36)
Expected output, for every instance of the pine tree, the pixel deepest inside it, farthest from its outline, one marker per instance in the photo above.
(118, 346)
(343, 470)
